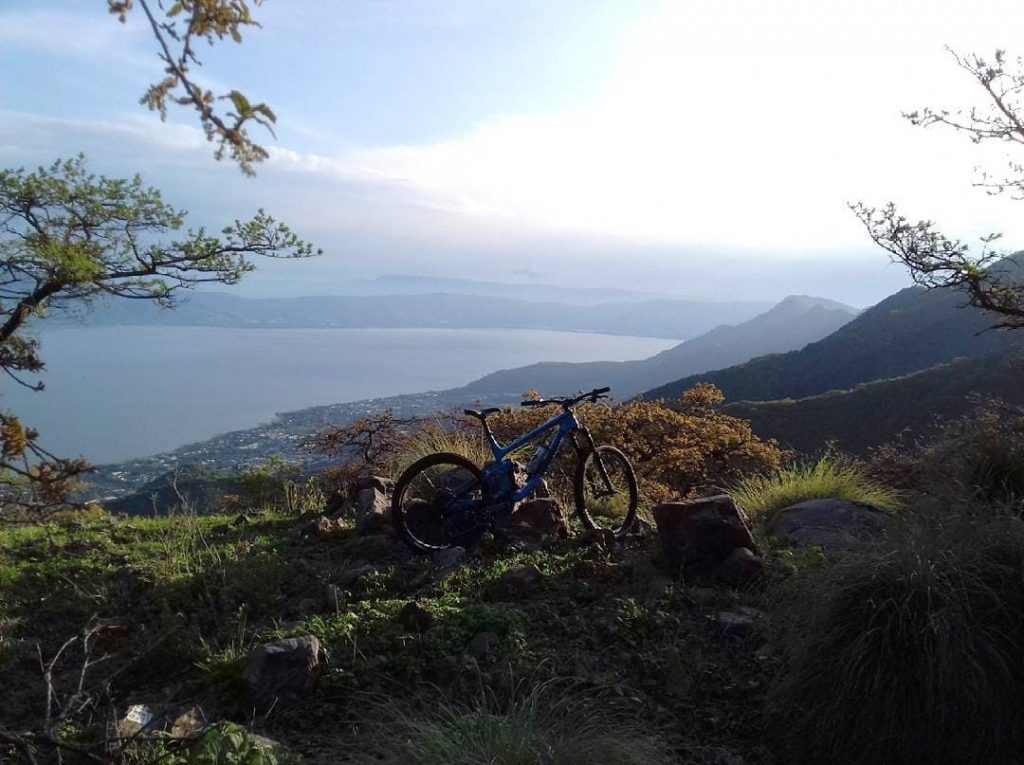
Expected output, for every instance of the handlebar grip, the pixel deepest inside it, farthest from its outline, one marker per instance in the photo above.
(599, 391)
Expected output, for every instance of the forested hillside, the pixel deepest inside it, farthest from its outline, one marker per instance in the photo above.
(907, 332)
(878, 412)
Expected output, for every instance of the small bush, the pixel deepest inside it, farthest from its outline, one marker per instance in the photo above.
(908, 651)
(531, 727)
(830, 477)
(980, 455)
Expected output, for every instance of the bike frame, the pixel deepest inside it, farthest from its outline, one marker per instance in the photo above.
(564, 424)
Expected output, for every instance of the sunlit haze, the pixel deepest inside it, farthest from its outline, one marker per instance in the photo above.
(688, 148)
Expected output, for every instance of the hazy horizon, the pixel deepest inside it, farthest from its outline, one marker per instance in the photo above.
(699, 149)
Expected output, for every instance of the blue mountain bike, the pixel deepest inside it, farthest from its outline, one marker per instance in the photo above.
(443, 500)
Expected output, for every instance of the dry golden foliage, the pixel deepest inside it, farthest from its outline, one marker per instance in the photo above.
(675, 447)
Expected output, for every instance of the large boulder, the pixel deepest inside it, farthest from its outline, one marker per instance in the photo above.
(373, 511)
(833, 524)
(536, 521)
(698, 534)
(283, 670)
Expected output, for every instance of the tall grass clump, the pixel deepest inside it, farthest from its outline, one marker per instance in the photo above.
(526, 728)
(437, 436)
(831, 476)
(908, 650)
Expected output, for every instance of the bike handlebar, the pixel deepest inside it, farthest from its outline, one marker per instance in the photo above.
(570, 401)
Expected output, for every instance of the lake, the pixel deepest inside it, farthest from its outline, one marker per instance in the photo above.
(115, 393)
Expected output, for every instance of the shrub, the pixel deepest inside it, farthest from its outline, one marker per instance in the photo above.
(830, 476)
(675, 447)
(980, 455)
(535, 726)
(908, 651)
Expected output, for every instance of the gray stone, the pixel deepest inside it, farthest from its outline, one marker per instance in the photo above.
(383, 485)
(698, 534)
(519, 581)
(734, 626)
(537, 521)
(373, 511)
(833, 524)
(329, 529)
(286, 669)
(449, 558)
(741, 568)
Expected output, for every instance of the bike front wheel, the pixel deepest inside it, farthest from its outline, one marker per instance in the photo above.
(438, 503)
(606, 490)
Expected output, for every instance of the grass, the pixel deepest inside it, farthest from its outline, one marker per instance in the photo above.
(198, 592)
(909, 650)
(547, 723)
(830, 476)
(436, 437)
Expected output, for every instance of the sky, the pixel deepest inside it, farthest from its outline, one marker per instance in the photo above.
(694, 148)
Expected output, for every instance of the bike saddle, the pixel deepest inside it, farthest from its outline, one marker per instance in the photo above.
(482, 414)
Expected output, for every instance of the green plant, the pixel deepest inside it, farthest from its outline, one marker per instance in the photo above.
(220, 744)
(908, 650)
(831, 476)
(542, 725)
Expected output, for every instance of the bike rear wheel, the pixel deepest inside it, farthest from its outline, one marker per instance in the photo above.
(437, 503)
(606, 490)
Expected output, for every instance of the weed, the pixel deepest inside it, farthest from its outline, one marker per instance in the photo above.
(907, 651)
(524, 726)
(831, 476)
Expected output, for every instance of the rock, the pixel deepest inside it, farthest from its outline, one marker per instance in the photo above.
(329, 530)
(286, 669)
(834, 524)
(383, 485)
(138, 719)
(373, 512)
(737, 626)
(741, 568)
(416, 618)
(536, 521)
(335, 503)
(698, 534)
(188, 724)
(519, 581)
(449, 558)
(374, 547)
(351, 577)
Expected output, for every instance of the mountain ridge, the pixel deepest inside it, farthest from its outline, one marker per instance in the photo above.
(911, 330)
(791, 323)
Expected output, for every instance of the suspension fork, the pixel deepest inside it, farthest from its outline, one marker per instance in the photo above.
(590, 446)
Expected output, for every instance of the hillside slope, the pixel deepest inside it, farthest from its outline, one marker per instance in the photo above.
(791, 324)
(877, 412)
(907, 332)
